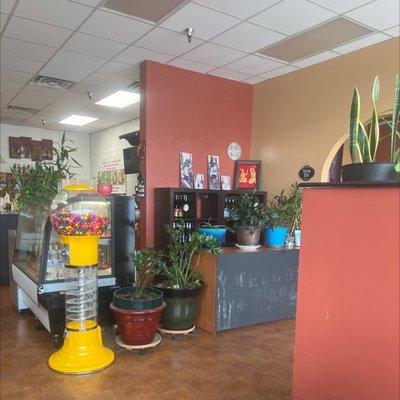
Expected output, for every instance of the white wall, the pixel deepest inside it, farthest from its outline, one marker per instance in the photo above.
(105, 145)
(80, 140)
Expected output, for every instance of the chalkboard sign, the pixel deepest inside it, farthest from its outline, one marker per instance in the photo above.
(306, 173)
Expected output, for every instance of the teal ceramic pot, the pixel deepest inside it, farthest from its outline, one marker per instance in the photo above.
(275, 237)
(182, 308)
(217, 233)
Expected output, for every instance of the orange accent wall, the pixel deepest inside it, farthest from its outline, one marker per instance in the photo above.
(184, 111)
(347, 325)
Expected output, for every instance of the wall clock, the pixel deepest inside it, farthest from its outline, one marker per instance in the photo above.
(234, 151)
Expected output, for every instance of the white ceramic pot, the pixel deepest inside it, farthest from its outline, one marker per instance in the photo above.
(297, 237)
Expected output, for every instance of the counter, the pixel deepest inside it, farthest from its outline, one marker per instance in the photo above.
(245, 288)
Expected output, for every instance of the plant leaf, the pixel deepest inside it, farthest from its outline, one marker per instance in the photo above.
(363, 148)
(373, 134)
(395, 117)
(353, 127)
(375, 89)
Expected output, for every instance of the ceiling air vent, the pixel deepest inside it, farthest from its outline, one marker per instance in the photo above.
(54, 83)
(134, 85)
(20, 112)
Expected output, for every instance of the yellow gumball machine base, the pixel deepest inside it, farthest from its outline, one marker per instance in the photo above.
(82, 353)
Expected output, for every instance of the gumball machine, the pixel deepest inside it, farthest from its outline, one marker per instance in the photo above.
(80, 215)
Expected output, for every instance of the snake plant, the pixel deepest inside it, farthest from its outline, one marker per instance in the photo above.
(363, 144)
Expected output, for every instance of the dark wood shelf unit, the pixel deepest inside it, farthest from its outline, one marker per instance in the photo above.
(204, 205)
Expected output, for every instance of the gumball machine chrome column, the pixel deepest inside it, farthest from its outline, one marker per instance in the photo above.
(79, 215)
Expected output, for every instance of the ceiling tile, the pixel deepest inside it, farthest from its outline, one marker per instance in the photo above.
(248, 37)
(253, 65)
(238, 8)
(8, 86)
(326, 55)
(42, 91)
(115, 27)
(360, 43)
(5, 97)
(190, 65)
(128, 71)
(341, 6)
(6, 6)
(71, 66)
(395, 31)
(3, 20)
(206, 22)
(57, 12)
(20, 48)
(15, 76)
(20, 64)
(90, 3)
(226, 73)
(93, 45)
(380, 14)
(292, 16)
(254, 79)
(36, 32)
(279, 71)
(213, 54)
(31, 101)
(135, 55)
(166, 41)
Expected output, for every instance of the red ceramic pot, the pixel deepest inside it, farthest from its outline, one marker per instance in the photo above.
(105, 190)
(137, 327)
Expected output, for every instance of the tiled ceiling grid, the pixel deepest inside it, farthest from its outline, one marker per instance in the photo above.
(101, 49)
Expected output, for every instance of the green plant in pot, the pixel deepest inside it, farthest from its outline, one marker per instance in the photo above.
(279, 219)
(218, 232)
(248, 217)
(104, 185)
(296, 199)
(138, 308)
(364, 142)
(182, 283)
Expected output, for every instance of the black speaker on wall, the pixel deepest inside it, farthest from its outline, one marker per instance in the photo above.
(131, 160)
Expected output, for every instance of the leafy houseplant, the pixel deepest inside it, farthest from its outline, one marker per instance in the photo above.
(138, 309)
(248, 218)
(364, 145)
(182, 282)
(39, 185)
(218, 232)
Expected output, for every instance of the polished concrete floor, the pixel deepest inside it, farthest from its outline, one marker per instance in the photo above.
(242, 364)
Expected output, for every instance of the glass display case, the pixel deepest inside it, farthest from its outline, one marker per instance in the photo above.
(39, 258)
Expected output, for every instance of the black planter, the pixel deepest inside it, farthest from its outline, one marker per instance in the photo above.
(128, 304)
(182, 308)
(369, 172)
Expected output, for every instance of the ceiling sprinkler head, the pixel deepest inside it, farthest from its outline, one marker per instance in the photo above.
(44, 123)
(90, 95)
(189, 34)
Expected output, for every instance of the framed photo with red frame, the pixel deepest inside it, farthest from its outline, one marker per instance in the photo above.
(247, 174)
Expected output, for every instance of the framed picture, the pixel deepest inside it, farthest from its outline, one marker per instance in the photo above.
(247, 174)
(225, 182)
(25, 147)
(186, 170)
(36, 150)
(47, 149)
(214, 178)
(14, 147)
(199, 181)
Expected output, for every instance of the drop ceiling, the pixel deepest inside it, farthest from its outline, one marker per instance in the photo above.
(99, 44)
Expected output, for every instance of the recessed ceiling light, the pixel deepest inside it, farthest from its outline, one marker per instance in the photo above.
(77, 120)
(120, 99)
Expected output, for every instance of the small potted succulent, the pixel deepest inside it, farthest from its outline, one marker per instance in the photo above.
(279, 219)
(218, 232)
(248, 217)
(104, 185)
(364, 142)
(138, 308)
(181, 283)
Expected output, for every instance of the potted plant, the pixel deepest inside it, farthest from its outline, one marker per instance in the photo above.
(279, 219)
(182, 284)
(248, 218)
(218, 232)
(104, 185)
(364, 145)
(296, 200)
(138, 308)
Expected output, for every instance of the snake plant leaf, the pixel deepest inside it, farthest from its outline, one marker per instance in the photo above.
(373, 134)
(376, 89)
(395, 117)
(363, 148)
(353, 127)
(397, 167)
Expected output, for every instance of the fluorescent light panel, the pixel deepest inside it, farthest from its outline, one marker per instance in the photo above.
(79, 120)
(120, 99)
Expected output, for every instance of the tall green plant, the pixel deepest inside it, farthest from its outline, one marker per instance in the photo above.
(39, 185)
(363, 144)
